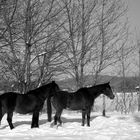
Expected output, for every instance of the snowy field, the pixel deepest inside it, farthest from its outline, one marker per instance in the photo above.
(113, 127)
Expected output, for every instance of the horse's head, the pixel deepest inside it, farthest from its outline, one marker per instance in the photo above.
(108, 91)
(54, 88)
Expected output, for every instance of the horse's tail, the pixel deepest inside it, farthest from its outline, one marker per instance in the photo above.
(49, 109)
(1, 115)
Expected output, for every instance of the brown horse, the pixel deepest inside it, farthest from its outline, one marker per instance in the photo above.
(83, 99)
(31, 102)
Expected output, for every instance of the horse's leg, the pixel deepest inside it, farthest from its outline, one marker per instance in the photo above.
(9, 119)
(49, 109)
(57, 117)
(60, 121)
(83, 116)
(88, 116)
(2, 112)
(35, 119)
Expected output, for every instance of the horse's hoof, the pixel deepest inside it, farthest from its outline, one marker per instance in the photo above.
(59, 125)
(11, 128)
(49, 120)
(52, 124)
(35, 126)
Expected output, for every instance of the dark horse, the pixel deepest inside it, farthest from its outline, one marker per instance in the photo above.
(31, 102)
(83, 99)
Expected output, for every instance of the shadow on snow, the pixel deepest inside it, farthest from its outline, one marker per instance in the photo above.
(43, 121)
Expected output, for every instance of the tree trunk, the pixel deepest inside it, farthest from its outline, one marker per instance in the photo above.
(28, 68)
(139, 78)
(139, 100)
(102, 49)
(83, 51)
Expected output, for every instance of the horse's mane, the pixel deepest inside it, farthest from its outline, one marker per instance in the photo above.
(41, 88)
(83, 89)
(98, 85)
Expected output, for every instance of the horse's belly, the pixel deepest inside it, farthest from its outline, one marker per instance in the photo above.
(24, 109)
(75, 106)
(23, 106)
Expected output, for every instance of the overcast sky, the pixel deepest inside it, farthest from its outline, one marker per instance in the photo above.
(134, 18)
(134, 13)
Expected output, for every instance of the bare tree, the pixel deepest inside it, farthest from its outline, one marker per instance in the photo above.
(109, 14)
(78, 37)
(31, 41)
(124, 61)
(112, 28)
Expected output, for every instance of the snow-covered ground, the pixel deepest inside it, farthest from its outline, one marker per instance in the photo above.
(113, 127)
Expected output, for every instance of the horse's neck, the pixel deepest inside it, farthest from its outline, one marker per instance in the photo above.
(95, 91)
(45, 91)
(70, 94)
(42, 92)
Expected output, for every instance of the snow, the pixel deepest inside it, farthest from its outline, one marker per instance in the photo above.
(113, 127)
